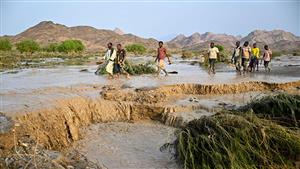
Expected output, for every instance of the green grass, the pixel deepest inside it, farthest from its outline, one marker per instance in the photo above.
(281, 108)
(263, 134)
(233, 141)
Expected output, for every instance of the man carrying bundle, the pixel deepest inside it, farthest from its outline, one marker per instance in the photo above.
(109, 58)
(120, 61)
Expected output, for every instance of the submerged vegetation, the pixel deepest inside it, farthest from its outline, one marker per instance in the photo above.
(250, 139)
(136, 69)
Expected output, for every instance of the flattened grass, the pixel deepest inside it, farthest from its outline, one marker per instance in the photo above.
(135, 69)
(235, 141)
(282, 108)
(268, 137)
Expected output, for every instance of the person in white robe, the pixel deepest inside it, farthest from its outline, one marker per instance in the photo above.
(110, 57)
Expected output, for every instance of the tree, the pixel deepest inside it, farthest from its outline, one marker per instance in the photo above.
(5, 44)
(28, 46)
(136, 49)
(71, 46)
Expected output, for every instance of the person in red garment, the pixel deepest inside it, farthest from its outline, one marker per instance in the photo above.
(161, 55)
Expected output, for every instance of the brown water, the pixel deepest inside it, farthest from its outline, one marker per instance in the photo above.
(117, 126)
(29, 89)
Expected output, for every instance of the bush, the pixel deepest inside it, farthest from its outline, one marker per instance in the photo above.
(276, 53)
(71, 46)
(5, 44)
(235, 141)
(29, 46)
(52, 47)
(137, 49)
(220, 47)
(187, 54)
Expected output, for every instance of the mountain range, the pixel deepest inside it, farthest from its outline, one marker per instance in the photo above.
(95, 39)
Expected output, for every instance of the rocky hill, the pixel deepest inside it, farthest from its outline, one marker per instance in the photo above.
(197, 40)
(95, 39)
(277, 39)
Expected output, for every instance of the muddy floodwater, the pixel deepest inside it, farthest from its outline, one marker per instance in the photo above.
(27, 89)
(122, 123)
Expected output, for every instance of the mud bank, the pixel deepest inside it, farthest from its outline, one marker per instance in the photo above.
(57, 128)
(155, 95)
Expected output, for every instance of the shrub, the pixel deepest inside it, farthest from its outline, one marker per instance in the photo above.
(71, 46)
(137, 49)
(29, 46)
(220, 47)
(276, 53)
(52, 47)
(5, 44)
(187, 54)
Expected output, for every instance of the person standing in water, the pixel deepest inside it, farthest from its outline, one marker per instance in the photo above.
(213, 54)
(267, 58)
(161, 55)
(254, 58)
(246, 53)
(110, 56)
(236, 57)
(120, 61)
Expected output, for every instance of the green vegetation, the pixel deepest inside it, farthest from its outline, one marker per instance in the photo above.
(276, 53)
(5, 44)
(246, 138)
(52, 47)
(68, 46)
(66, 53)
(220, 47)
(228, 140)
(14, 59)
(189, 54)
(27, 46)
(281, 108)
(137, 49)
(147, 68)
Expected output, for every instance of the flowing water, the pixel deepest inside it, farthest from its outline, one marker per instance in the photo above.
(121, 123)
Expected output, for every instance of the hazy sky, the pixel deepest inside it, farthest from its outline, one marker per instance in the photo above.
(161, 19)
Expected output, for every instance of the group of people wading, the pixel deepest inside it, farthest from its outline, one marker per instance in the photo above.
(245, 58)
